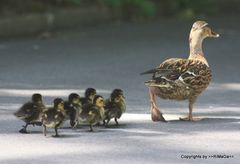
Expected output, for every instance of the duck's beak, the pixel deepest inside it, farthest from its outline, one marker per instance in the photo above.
(213, 34)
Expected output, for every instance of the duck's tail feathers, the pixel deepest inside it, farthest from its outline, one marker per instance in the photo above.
(160, 71)
(151, 71)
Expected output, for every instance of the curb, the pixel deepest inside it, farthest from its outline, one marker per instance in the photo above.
(36, 23)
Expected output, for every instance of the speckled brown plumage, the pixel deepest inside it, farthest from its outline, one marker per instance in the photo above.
(184, 79)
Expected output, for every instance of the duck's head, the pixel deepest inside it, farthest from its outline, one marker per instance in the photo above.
(90, 93)
(201, 30)
(98, 101)
(37, 98)
(58, 104)
(117, 95)
(74, 98)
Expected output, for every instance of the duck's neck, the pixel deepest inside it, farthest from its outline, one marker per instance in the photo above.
(196, 53)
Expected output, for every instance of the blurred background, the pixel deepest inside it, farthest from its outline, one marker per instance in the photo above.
(34, 16)
(60, 46)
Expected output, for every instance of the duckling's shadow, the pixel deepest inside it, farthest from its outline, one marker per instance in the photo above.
(64, 136)
(115, 126)
(29, 132)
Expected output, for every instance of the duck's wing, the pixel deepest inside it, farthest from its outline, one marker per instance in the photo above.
(111, 109)
(26, 110)
(188, 72)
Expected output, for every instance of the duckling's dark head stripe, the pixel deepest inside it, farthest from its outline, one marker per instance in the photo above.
(36, 97)
(96, 97)
(57, 101)
(73, 96)
(90, 91)
(116, 92)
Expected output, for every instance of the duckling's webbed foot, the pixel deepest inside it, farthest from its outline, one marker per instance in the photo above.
(116, 121)
(56, 132)
(44, 130)
(91, 128)
(108, 120)
(24, 129)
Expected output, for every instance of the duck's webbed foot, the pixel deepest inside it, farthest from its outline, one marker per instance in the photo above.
(157, 115)
(190, 115)
(155, 112)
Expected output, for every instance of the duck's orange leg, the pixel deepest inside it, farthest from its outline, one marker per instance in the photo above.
(155, 112)
(190, 116)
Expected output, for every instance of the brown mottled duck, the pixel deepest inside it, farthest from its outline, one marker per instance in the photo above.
(182, 79)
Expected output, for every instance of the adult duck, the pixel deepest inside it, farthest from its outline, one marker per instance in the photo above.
(182, 79)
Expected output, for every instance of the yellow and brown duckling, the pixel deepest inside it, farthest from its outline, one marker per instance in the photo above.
(31, 112)
(92, 113)
(182, 79)
(54, 116)
(72, 108)
(89, 96)
(115, 106)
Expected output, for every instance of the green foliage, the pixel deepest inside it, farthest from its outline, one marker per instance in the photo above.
(189, 9)
(75, 2)
(128, 9)
(133, 8)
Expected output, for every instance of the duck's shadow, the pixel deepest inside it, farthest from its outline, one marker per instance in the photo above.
(207, 121)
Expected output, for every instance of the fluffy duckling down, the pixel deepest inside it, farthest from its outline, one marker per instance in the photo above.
(72, 108)
(31, 112)
(92, 114)
(89, 96)
(54, 116)
(115, 106)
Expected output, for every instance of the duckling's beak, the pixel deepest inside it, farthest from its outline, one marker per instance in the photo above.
(213, 34)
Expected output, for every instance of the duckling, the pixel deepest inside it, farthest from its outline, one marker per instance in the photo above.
(182, 79)
(54, 117)
(92, 113)
(31, 112)
(115, 106)
(89, 95)
(72, 108)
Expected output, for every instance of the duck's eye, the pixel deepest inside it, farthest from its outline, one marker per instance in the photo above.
(101, 101)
